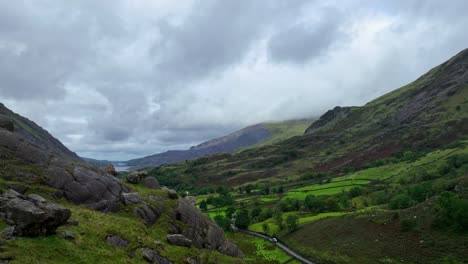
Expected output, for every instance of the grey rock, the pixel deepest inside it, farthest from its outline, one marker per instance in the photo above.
(230, 249)
(179, 240)
(152, 256)
(117, 241)
(82, 184)
(105, 206)
(68, 235)
(32, 216)
(136, 176)
(109, 169)
(9, 231)
(203, 232)
(193, 260)
(131, 198)
(18, 188)
(191, 199)
(36, 198)
(6, 123)
(149, 213)
(151, 182)
(172, 194)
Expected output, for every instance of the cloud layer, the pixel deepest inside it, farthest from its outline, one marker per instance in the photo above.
(118, 79)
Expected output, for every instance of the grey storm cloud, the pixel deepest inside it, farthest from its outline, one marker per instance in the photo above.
(119, 79)
(303, 41)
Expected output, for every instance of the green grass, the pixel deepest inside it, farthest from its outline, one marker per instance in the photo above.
(258, 250)
(90, 246)
(308, 219)
(284, 130)
(319, 192)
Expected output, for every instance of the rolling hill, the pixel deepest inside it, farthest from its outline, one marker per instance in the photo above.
(251, 136)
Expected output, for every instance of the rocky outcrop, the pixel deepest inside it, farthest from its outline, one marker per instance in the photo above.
(151, 183)
(136, 176)
(179, 240)
(83, 184)
(329, 119)
(32, 215)
(149, 214)
(110, 169)
(79, 183)
(34, 134)
(202, 231)
(152, 256)
(131, 198)
(117, 241)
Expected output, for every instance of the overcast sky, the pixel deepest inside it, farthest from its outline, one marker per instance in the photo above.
(119, 79)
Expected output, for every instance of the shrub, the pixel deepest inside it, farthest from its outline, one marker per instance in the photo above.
(401, 201)
(355, 191)
(203, 205)
(223, 222)
(292, 222)
(243, 219)
(451, 211)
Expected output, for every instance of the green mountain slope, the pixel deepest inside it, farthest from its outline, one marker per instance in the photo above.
(35, 134)
(248, 137)
(421, 116)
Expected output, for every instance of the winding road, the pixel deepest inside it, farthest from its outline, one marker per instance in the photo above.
(278, 244)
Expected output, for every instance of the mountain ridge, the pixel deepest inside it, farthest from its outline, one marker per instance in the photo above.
(247, 137)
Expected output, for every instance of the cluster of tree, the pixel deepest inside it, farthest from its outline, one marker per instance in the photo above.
(312, 176)
(291, 222)
(451, 212)
(217, 201)
(262, 189)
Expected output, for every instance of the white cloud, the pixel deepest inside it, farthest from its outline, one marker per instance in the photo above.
(122, 79)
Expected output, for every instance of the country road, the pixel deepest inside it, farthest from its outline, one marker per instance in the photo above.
(278, 244)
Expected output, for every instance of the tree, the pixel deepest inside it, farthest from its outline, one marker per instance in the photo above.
(230, 211)
(278, 218)
(203, 205)
(281, 189)
(401, 201)
(243, 219)
(266, 190)
(451, 212)
(255, 212)
(265, 228)
(313, 204)
(223, 222)
(292, 222)
(355, 191)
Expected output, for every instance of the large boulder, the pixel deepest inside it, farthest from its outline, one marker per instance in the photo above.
(6, 123)
(149, 214)
(136, 176)
(151, 183)
(203, 232)
(32, 215)
(117, 241)
(131, 198)
(152, 256)
(179, 240)
(110, 169)
(83, 184)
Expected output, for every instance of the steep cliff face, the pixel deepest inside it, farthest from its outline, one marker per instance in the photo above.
(35, 134)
